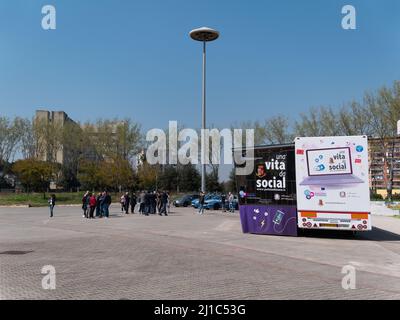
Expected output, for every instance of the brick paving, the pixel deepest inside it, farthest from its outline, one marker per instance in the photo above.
(186, 256)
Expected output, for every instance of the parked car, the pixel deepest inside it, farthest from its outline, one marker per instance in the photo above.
(215, 203)
(195, 202)
(185, 200)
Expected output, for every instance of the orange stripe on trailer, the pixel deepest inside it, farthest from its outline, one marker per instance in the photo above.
(359, 216)
(308, 214)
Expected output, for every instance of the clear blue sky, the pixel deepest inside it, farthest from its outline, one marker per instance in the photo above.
(134, 58)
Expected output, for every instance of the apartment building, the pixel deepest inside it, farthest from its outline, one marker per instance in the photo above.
(383, 154)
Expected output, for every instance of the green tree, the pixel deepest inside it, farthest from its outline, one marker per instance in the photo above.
(35, 175)
(230, 185)
(148, 176)
(212, 182)
(90, 176)
(188, 178)
(118, 174)
(168, 178)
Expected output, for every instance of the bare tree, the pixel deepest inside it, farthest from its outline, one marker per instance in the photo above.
(354, 120)
(27, 144)
(259, 131)
(277, 130)
(114, 138)
(48, 139)
(10, 135)
(317, 122)
(381, 107)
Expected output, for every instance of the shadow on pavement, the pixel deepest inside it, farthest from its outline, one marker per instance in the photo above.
(376, 234)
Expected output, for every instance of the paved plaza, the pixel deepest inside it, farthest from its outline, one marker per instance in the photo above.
(187, 256)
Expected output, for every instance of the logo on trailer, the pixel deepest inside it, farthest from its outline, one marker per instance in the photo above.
(309, 194)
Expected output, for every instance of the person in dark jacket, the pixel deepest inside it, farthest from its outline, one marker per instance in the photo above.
(147, 203)
(133, 202)
(142, 200)
(107, 203)
(52, 203)
(85, 203)
(153, 202)
(127, 200)
(102, 204)
(98, 205)
(201, 202)
(158, 201)
(164, 202)
(223, 203)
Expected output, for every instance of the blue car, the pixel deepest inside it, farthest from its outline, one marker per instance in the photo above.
(195, 202)
(215, 203)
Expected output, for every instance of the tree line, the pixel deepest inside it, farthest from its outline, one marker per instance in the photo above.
(96, 156)
(376, 115)
(103, 154)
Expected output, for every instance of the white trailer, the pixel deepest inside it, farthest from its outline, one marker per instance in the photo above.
(332, 183)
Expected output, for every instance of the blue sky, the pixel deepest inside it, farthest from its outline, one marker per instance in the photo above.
(123, 58)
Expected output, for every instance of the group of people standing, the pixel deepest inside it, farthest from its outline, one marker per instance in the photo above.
(127, 201)
(152, 202)
(99, 204)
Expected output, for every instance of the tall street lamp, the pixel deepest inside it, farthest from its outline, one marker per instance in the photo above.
(204, 35)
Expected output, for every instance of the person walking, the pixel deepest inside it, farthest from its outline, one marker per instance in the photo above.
(223, 202)
(201, 202)
(164, 202)
(133, 202)
(52, 203)
(85, 201)
(92, 205)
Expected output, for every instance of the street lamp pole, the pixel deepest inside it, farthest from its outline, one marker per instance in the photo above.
(203, 122)
(204, 35)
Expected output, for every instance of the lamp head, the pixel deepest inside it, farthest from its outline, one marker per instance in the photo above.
(204, 34)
